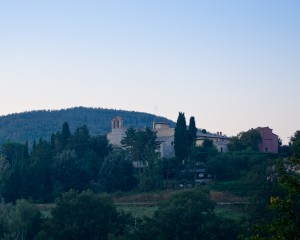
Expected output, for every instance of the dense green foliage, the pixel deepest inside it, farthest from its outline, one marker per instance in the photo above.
(295, 144)
(181, 137)
(117, 173)
(188, 215)
(192, 132)
(232, 165)
(85, 216)
(68, 161)
(141, 145)
(79, 161)
(19, 222)
(245, 140)
(284, 204)
(141, 149)
(75, 216)
(28, 126)
(267, 187)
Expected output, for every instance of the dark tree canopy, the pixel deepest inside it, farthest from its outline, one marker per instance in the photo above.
(68, 161)
(192, 132)
(19, 221)
(188, 215)
(65, 134)
(70, 172)
(142, 150)
(284, 204)
(130, 143)
(140, 144)
(117, 173)
(200, 154)
(83, 216)
(295, 144)
(181, 137)
(245, 140)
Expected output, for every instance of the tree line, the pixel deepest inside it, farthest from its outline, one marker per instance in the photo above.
(74, 168)
(188, 214)
(80, 162)
(67, 161)
(19, 127)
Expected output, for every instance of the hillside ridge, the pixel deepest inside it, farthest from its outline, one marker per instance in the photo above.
(32, 125)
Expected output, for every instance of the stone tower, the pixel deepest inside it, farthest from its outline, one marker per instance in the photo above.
(117, 132)
(116, 123)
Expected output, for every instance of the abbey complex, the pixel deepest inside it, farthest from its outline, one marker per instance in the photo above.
(165, 137)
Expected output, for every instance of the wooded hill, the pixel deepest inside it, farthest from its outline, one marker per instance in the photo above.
(33, 125)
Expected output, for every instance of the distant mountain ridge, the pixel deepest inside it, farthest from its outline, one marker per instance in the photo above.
(33, 125)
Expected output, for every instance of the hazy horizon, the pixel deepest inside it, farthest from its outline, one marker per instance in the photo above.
(232, 65)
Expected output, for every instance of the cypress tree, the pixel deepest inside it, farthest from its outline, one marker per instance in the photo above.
(180, 137)
(65, 134)
(192, 132)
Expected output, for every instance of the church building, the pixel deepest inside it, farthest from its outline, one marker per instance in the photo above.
(118, 132)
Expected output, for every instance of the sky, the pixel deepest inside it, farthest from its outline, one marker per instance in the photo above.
(233, 65)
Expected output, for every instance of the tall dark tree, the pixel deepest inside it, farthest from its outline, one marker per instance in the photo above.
(130, 143)
(81, 141)
(65, 134)
(192, 132)
(181, 137)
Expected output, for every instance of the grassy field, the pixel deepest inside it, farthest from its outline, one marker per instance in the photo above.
(142, 204)
(145, 204)
(148, 211)
(138, 211)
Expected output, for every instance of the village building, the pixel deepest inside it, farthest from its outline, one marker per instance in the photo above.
(219, 140)
(165, 137)
(269, 140)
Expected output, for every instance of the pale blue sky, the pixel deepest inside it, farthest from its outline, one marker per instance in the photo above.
(233, 65)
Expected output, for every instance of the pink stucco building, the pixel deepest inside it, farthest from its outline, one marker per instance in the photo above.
(269, 140)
